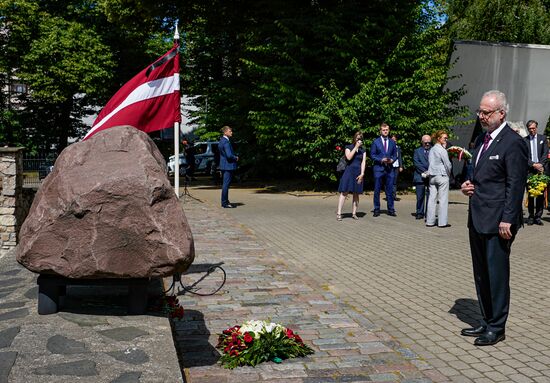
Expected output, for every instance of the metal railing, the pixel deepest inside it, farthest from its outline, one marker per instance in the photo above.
(36, 168)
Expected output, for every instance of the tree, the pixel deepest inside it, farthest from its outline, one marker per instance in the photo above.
(514, 21)
(73, 58)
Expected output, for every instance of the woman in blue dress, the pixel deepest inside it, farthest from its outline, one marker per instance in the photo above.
(352, 179)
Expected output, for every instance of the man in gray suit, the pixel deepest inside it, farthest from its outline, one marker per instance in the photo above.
(538, 153)
(495, 214)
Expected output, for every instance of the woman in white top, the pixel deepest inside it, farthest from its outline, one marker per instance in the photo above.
(439, 170)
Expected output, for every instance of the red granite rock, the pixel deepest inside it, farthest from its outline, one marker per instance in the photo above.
(107, 211)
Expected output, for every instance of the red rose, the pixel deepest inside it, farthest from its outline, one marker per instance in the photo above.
(248, 338)
(298, 339)
(338, 147)
(289, 333)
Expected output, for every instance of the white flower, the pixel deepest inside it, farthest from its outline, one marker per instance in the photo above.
(257, 327)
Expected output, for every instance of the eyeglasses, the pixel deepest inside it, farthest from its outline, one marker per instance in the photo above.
(426, 143)
(486, 113)
(445, 138)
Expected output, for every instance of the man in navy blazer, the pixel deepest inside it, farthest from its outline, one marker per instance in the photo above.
(495, 214)
(420, 177)
(538, 156)
(383, 153)
(228, 164)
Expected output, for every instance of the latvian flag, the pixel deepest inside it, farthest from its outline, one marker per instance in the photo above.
(150, 101)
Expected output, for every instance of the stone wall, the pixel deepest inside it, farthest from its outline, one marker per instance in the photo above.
(15, 201)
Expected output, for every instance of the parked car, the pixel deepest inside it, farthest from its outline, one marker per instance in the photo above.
(44, 170)
(171, 165)
(206, 156)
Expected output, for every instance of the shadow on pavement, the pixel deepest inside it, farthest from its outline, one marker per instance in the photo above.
(191, 338)
(467, 310)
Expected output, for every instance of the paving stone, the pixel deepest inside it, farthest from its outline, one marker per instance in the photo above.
(32, 293)
(11, 272)
(7, 336)
(77, 368)
(11, 305)
(4, 293)
(84, 320)
(15, 314)
(123, 333)
(128, 377)
(130, 355)
(58, 344)
(7, 359)
(11, 282)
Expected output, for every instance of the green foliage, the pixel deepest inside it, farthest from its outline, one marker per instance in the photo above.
(514, 21)
(73, 58)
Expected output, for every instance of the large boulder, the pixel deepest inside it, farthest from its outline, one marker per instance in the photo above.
(107, 211)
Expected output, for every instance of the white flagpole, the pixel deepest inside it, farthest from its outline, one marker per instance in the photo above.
(177, 140)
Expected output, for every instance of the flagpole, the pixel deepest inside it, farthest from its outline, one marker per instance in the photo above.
(177, 137)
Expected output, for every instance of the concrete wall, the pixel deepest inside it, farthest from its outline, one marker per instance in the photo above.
(521, 71)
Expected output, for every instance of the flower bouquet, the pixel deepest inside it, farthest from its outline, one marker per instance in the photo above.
(459, 152)
(169, 304)
(259, 341)
(536, 183)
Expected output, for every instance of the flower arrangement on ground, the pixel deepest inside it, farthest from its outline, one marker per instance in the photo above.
(536, 183)
(169, 305)
(459, 152)
(255, 342)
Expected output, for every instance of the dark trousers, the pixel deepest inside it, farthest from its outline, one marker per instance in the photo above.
(422, 194)
(386, 178)
(491, 263)
(227, 175)
(394, 188)
(535, 206)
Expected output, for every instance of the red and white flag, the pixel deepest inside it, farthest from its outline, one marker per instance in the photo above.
(150, 101)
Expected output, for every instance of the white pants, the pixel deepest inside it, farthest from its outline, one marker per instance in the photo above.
(439, 191)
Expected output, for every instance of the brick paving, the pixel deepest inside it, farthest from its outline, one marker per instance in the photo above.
(405, 280)
(261, 284)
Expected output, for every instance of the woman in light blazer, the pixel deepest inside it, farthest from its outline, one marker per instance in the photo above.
(439, 170)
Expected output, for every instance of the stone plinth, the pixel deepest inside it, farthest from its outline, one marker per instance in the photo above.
(12, 199)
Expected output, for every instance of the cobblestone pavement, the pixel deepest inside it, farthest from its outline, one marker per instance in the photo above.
(412, 282)
(91, 340)
(260, 284)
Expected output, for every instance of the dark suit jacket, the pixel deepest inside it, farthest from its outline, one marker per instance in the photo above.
(542, 151)
(421, 164)
(377, 152)
(228, 160)
(499, 178)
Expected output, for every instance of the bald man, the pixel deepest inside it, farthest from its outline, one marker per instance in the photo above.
(420, 177)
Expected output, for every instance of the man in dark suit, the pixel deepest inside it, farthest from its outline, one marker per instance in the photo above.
(538, 153)
(495, 214)
(383, 153)
(420, 177)
(228, 164)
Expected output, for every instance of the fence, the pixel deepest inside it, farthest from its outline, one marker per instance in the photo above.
(36, 168)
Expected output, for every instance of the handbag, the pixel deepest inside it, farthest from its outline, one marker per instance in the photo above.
(342, 164)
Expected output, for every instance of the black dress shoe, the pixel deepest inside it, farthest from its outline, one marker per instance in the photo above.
(538, 221)
(392, 214)
(447, 225)
(489, 338)
(474, 331)
(376, 213)
(530, 221)
(419, 216)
